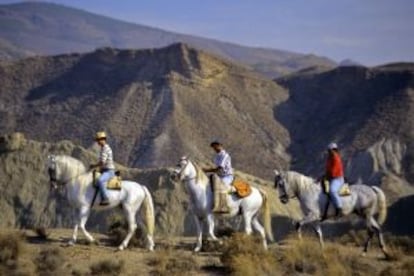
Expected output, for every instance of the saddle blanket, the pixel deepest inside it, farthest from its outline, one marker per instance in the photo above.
(114, 183)
(344, 191)
(243, 189)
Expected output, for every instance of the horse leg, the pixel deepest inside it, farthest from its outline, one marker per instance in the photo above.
(309, 218)
(247, 217)
(83, 218)
(132, 226)
(318, 230)
(76, 216)
(368, 240)
(199, 234)
(259, 228)
(210, 221)
(378, 231)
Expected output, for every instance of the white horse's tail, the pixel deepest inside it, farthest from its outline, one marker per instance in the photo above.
(382, 205)
(149, 212)
(266, 216)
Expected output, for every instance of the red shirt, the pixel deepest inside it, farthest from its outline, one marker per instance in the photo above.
(334, 167)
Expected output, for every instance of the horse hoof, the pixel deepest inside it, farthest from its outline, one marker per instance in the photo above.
(71, 243)
(197, 249)
(121, 248)
(364, 254)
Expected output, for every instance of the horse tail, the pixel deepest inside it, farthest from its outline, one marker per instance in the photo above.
(266, 216)
(149, 212)
(382, 205)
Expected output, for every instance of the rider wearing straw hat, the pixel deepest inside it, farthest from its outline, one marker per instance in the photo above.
(105, 165)
(335, 175)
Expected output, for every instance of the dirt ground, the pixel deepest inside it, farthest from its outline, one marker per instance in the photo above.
(174, 256)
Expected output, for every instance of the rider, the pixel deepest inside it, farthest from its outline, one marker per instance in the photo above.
(105, 165)
(224, 172)
(335, 175)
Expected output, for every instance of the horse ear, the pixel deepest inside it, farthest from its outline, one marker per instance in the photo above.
(277, 173)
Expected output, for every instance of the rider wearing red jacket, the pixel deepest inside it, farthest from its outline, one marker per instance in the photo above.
(335, 175)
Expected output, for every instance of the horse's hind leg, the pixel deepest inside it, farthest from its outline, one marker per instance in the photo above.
(318, 230)
(259, 228)
(247, 217)
(132, 226)
(368, 241)
(378, 231)
(83, 218)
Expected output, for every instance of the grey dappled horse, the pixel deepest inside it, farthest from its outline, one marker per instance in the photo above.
(364, 200)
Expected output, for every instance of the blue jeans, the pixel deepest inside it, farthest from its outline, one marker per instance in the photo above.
(227, 180)
(334, 188)
(103, 179)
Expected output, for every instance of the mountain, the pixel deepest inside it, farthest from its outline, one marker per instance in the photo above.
(156, 105)
(36, 28)
(368, 111)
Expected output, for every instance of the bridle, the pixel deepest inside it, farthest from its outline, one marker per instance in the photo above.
(281, 182)
(54, 182)
(182, 168)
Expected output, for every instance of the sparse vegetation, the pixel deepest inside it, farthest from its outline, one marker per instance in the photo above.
(107, 267)
(11, 247)
(50, 261)
(118, 229)
(245, 255)
(167, 262)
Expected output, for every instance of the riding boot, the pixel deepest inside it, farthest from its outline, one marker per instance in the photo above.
(104, 200)
(339, 212)
(216, 193)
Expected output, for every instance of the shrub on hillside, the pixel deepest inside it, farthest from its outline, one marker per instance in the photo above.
(50, 261)
(244, 255)
(107, 267)
(11, 247)
(167, 262)
(118, 229)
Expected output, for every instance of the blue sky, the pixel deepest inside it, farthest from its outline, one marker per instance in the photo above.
(369, 31)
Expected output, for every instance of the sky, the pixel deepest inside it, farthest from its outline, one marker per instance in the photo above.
(371, 32)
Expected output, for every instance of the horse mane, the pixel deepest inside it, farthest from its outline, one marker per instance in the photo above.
(201, 177)
(301, 181)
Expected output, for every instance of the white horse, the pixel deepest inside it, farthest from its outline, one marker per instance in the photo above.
(68, 171)
(364, 200)
(201, 202)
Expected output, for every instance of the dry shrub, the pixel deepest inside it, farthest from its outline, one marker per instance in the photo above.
(403, 243)
(244, 255)
(107, 267)
(306, 256)
(11, 247)
(50, 261)
(42, 232)
(356, 238)
(168, 262)
(118, 229)
(403, 269)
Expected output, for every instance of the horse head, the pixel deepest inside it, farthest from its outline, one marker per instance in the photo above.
(182, 170)
(53, 170)
(281, 186)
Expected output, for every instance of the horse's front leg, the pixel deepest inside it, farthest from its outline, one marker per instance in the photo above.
(83, 218)
(199, 229)
(75, 216)
(132, 226)
(309, 218)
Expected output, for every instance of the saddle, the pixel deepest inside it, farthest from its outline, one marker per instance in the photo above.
(344, 191)
(243, 189)
(114, 183)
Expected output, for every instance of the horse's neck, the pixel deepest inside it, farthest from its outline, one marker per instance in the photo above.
(197, 179)
(302, 184)
(71, 168)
